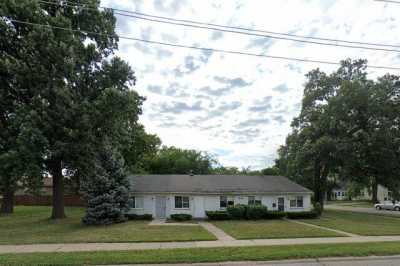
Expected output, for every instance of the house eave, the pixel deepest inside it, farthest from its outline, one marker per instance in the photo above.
(221, 192)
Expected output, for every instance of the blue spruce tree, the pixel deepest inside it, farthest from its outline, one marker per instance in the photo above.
(106, 189)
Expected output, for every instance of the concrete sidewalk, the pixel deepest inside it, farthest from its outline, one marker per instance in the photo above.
(194, 244)
(323, 228)
(346, 261)
(218, 233)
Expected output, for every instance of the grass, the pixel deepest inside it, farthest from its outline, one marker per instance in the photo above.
(195, 255)
(29, 225)
(271, 229)
(357, 203)
(359, 223)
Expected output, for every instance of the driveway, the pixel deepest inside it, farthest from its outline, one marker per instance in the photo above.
(362, 209)
(359, 261)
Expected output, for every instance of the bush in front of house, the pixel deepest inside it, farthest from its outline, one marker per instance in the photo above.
(218, 215)
(181, 217)
(238, 211)
(274, 215)
(133, 216)
(256, 212)
(302, 215)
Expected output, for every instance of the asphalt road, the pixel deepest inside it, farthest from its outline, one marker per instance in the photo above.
(362, 261)
(362, 209)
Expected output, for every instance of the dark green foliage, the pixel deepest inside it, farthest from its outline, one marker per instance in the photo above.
(106, 189)
(270, 171)
(222, 170)
(132, 216)
(171, 160)
(252, 212)
(62, 93)
(349, 126)
(181, 217)
(275, 215)
(218, 215)
(317, 208)
(302, 215)
(238, 211)
(256, 212)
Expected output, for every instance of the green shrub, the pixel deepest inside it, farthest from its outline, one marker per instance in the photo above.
(274, 215)
(255, 212)
(133, 216)
(302, 215)
(181, 217)
(238, 211)
(218, 215)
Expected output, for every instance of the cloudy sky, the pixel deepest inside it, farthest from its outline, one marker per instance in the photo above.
(236, 107)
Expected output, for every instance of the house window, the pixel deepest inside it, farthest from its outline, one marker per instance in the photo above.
(181, 202)
(136, 202)
(223, 201)
(299, 202)
(296, 202)
(252, 200)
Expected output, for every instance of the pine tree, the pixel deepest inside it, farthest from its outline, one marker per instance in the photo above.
(106, 189)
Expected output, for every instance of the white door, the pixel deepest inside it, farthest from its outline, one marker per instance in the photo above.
(161, 206)
(281, 204)
(198, 204)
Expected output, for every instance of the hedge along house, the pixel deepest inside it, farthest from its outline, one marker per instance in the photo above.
(163, 195)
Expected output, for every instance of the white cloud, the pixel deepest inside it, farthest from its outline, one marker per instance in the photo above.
(240, 107)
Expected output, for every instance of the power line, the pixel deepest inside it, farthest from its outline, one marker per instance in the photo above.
(388, 1)
(259, 35)
(197, 47)
(240, 30)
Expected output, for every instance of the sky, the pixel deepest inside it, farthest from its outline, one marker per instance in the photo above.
(239, 108)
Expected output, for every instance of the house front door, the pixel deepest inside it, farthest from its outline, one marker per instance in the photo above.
(161, 206)
(281, 204)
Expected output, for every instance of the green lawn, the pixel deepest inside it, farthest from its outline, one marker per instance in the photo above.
(194, 255)
(31, 225)
(355, 203)
(271, 229)
(359, 223)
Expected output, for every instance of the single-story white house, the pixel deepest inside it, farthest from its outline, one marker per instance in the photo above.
(163, 195)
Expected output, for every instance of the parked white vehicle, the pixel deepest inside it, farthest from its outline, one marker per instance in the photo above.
(388, 205)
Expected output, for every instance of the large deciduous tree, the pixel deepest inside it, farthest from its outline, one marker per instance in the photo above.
(68, 81)
(172, 160)
(348, 126)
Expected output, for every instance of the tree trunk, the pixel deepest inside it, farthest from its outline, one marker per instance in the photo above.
(324, 177)
(374, 190)
(317, 183)
(7, 205)
(58, 191)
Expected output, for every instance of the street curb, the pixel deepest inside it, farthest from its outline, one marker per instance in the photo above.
(272, 262)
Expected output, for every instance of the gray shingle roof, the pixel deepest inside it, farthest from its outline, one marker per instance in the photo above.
(213, 184)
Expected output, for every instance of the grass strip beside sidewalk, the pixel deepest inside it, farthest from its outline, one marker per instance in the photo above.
(194, 255)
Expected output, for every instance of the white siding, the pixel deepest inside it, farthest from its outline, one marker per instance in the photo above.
(148, 205)
(198, 204)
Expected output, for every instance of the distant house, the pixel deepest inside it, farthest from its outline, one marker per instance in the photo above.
(163, 195)
(341, 193)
